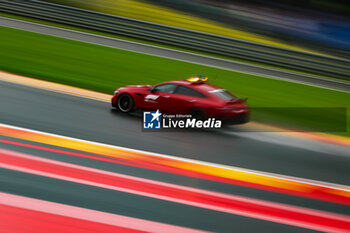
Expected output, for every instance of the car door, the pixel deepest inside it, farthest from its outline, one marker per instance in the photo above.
(158, 96)
(184, 99)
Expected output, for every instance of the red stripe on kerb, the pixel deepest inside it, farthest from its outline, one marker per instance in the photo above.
(24, 214)
(110, 160)
(13, 219)
(302, 217)
(316, 194)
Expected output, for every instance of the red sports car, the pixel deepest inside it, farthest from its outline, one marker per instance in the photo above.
(191, 96)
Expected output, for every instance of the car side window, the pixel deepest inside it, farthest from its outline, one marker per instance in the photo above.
(182, 90)
(167, 88)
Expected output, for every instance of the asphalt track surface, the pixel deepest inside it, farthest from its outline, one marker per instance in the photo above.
(179, 55)
(93, 120)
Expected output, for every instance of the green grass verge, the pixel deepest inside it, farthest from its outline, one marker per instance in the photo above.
(158, 44)
(103, 69)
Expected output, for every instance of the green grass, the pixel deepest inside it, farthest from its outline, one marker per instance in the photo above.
(103, 69)
(159, 44)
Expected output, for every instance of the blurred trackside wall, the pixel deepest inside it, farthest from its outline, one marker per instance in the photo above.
(157, 14)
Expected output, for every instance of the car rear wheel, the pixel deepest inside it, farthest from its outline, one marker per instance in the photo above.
(125, 103)
(197, 113)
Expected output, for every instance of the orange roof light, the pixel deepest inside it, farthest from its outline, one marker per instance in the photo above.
(193, 79)
(197, 79)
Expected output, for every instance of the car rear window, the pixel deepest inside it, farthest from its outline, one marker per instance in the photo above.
(223, 94)
(182, 90)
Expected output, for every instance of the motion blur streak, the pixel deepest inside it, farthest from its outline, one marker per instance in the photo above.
(14, 78)
(110, 160)
(199, 169)
(23, 80)
(10, 216)
(42, 216)
(286, 214)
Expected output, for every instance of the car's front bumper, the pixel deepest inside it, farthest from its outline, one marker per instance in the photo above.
(114, 100)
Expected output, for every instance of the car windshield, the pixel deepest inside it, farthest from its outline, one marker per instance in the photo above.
(223, 94)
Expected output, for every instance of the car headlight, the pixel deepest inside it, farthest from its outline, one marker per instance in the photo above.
(116, 92)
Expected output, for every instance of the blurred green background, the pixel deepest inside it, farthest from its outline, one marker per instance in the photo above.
(104, 69)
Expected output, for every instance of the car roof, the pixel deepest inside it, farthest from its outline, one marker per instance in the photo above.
(202, 87)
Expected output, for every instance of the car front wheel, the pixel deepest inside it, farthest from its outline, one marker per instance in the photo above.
(125, 103)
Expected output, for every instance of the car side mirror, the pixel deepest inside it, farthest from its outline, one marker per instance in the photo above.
(152, 90)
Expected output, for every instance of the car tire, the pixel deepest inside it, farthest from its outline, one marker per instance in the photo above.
(125, 103)
(198, 114)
